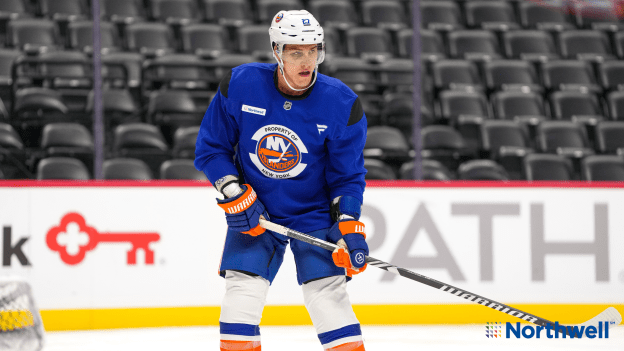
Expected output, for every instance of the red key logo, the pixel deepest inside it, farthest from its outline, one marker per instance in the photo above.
(138, 241)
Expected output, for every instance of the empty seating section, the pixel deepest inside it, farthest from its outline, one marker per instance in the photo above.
(510, 89)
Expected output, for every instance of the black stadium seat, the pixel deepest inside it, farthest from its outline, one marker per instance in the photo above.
(174, 12)
(340, 14)
(481, 170)
(171, 109)
(255, 41)
(585, 45)
(68, 140)
(266, 9)
(150, 39)
(62, 168)
(387, 144)
(387, 14)
(234, 13)
(511, 75)
(491, 15)
(443, 144)
(564, 138)
(473, 44)
(181, 169)
(549, 16)
(569, 75)
(80, 37)
(126, 169)
(507, 142)
(205, 40)
(576, 105)
(430, 170)
(602, 15)
(378, 170)
(548, 167)
(610, 137)
(122, 11)
(141, 141)
(12, 153)
(184, 141)
(372, 44)
(530, 45)
(431, 44)
(602, 168)
(33, 35)
(456, 75)
(442, 15)
(615, 104)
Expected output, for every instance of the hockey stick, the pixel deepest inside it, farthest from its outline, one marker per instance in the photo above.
(610, 315)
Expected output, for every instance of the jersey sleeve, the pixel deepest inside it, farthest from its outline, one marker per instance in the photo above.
(345, 170)
(217, 138)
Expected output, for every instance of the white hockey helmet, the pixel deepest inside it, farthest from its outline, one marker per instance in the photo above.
(296, 27)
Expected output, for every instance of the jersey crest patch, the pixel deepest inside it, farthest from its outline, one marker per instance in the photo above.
(278, 152)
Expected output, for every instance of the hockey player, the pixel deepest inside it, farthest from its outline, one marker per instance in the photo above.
(285, 142)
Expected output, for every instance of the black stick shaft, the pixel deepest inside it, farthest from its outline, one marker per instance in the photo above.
(478, 299)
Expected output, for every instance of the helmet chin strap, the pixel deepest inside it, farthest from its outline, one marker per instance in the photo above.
(281, 66)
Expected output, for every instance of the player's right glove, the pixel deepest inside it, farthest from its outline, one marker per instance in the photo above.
(243, 211)
(351, 254)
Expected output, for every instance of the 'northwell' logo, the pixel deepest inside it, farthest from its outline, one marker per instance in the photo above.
(551, 331)
(254, 110)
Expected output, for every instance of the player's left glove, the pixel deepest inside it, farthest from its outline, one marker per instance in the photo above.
(349, 235)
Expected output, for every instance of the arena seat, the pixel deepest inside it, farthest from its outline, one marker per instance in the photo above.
(615, 105)
(563, 137)
(68, 140)
(576, 105)
(232, 13)
(511, 75)
(588, 45)
(481, 170)
(62, 168)
(490, 15)
(33, 35)
(205, 40)
(171, 109)
(141, 141)
(150, 39)
(473, 45)
(184, 141)
(387, 144)
(254, 40)
(602, 168)
(266, 9)
(548, 167)
(386, 14)
(126, 169)
(371, 44)
(174, 12)
(432, 45)
(122, 12)
(181, 169)
(530, 45)
(441, 15)
(550, 16)
(610, 137)
(332, 13)
(80, 37)
(431, 170)
(378, 170)
(456, 75)
(506, 142)
(443, 144)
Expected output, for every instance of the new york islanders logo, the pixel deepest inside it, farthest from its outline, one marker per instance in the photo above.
(278, 152)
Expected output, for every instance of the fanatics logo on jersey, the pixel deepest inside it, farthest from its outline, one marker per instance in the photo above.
(254, 110)
(321, 128)
(278, 152)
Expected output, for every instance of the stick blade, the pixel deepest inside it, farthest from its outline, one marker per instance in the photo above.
(610, 315)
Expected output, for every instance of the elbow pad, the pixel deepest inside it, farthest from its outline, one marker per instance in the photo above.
(345, 206)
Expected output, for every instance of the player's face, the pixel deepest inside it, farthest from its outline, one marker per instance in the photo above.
(299, 63)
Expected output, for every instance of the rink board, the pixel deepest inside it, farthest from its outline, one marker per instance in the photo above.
(551, 249)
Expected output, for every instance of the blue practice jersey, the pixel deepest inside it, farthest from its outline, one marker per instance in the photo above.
(297, 152)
